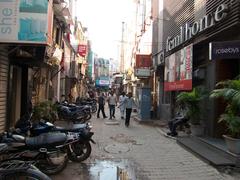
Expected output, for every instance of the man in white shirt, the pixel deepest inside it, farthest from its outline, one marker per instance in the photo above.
(112, 102)
(129, 104)
(122, 104)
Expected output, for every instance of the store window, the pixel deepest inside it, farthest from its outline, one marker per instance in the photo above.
(166, 97)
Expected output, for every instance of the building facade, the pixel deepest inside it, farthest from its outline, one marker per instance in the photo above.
(32, 55)
(189, 55)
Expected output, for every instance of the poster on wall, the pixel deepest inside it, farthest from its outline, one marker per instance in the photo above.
(178, 70)
(25, 21)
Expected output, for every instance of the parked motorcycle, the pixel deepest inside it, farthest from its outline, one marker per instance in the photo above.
(78, 150)
(88, 101)
(48, 150)
(17, 169)
(74, 113)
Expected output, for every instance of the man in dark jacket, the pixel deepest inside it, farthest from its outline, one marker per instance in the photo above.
(101, 103)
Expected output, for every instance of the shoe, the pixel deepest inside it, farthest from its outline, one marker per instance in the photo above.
(169, 133)
(172, 134)
(113, 116)
(126, 125)
(97, 116)
(105, 117)
(122, 117)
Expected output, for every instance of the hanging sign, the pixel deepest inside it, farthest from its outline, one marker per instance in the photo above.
(82, 50)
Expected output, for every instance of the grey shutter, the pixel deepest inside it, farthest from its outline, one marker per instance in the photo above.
(3, 86)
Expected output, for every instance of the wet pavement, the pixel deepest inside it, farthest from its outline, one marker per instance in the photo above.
(98, 170)
(138, 152)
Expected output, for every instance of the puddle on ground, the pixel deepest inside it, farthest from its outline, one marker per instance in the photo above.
(99, 170)
(109, 170)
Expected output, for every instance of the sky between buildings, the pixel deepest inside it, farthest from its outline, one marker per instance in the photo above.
(104, 18)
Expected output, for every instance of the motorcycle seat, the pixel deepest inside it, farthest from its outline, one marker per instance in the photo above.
(3, 147)
(46, 140)
(71, 110)
(74, 128)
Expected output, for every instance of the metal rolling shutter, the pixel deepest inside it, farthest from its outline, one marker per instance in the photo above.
(3, 86)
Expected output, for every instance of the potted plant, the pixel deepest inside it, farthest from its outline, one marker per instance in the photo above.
(191, 100)
(45, 110)
(229, 90)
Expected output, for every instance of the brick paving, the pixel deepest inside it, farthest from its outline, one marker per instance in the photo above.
(153, 156)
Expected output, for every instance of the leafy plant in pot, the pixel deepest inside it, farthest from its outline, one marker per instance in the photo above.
(190, 100)
(45, 110)
(229, 90)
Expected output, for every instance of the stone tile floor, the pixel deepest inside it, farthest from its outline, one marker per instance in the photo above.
(150, 154)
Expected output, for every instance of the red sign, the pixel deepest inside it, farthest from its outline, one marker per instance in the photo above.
(82, 50)
(178, 85)
(178, 70)
(143, 61)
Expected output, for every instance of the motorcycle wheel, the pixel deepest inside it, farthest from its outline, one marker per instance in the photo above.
(94, 109)
(30, 174)
(51, 169)
(81, 151)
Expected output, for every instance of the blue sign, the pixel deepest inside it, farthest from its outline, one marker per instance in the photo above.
(224, 50)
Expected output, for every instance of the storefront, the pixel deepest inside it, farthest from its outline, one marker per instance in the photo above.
(199, 24)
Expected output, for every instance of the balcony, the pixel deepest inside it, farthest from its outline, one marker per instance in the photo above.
(62, 13)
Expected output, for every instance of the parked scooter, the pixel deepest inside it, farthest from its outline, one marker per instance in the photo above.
(48, 150)
(79, 150)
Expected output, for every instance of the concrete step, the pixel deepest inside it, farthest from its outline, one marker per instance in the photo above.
(208, 152)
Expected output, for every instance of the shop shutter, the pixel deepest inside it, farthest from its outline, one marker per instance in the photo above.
(3, 86)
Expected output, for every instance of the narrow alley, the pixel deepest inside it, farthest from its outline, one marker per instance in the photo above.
(141, 152)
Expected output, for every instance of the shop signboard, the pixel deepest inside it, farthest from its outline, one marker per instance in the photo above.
(26, 21)
(188, 31)
(142, 72)
(103, 81)
(178, 70)
(82, 50)
(143, 60)
(224, 50)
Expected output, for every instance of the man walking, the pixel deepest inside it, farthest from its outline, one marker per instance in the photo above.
(112, 102)
(129, 103)
(122, 104)
(101, 103)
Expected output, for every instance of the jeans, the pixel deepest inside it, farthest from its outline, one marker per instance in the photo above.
(128, 116)
(173, 124)
(101, 108)
(112, 111)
